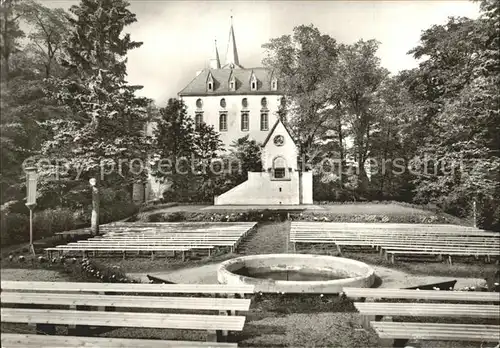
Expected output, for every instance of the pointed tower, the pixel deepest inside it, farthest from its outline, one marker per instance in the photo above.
(215, 62)
(232, 60)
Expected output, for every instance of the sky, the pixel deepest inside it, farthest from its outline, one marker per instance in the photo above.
(178, 36)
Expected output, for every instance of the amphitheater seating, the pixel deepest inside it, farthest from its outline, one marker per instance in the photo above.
(437, 332)
(373, 312)
(176, 238)
(40, 341)
(396, 240)
(448, 296)
(117, 288)
(428, 309)
(81, 305)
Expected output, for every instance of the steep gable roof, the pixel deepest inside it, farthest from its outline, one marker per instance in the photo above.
(270, 134)
(197, 87)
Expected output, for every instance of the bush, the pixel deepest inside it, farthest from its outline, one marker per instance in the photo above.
(277, 215)
(50, 221)
(14, 228)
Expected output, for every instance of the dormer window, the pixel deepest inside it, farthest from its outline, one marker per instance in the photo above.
(274, 84)
(232, 84)
(210, 83)
(253, 82)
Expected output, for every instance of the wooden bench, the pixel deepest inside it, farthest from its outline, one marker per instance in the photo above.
(113, 288)
(216, 325)
(39, 341)
(439, 252)
(126, 301)
(85, 249)
(374, 311)
(437, 332)
(462, 296)
(79, 302)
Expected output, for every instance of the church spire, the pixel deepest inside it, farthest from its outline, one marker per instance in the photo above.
(215, 62)
(232, 60)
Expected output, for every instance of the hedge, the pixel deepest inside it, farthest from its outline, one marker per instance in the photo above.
(14, 227)
(277, 215)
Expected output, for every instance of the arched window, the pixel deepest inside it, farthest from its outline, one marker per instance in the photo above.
(210, 86)
(198, 119)
(223, 122)
(264, 121)
(223, 103)
(244, 102)
(279, 168)
(199, 103)
(283, 102)
(254, 86)
(244, 121)
(263, 102)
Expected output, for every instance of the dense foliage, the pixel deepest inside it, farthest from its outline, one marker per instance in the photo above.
(429, 135)
(426, 135)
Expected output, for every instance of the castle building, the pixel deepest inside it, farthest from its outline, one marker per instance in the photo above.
(235, 100)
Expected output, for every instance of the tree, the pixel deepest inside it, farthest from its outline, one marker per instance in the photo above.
(108, 121)
(173, 141)
(206, 147)
(395, 143)
(358, 79)
(246, 154)
(462, 57)
(10, 33)
(302, 62)
(49, 27)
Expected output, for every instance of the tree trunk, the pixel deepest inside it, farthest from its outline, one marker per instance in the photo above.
(341, 152)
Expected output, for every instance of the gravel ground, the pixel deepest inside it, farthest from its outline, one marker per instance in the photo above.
(24, 274)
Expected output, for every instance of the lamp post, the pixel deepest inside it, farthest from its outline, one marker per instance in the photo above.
(31, 181)
(94, 220)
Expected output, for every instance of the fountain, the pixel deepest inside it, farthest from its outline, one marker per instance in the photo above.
(296, 273)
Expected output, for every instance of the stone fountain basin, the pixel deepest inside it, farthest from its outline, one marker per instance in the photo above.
(334, 273)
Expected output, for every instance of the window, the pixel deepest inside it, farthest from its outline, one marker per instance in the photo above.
(274, 84)
(279, 167)
(283, 102)
(244, 102)
(223, 103)
(223, 122)
(264, 121)
(244, 121)
(199, 103)
(263, 102)
(253, 82)
(210, 86)
(279, 173)
(198, 119)
(232, 85)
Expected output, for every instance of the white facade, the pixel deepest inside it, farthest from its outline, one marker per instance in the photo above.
(211, 111)
(280, 183)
